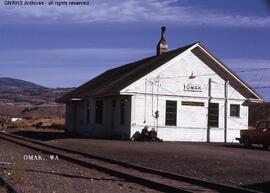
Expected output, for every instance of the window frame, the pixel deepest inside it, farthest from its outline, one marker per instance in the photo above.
(99, 114)
(171, 121)
(237, 110)
(87, 112)
(210, 121)
(259, 127)
(122, 111)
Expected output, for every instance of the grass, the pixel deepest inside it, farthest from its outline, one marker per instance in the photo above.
(38, 123)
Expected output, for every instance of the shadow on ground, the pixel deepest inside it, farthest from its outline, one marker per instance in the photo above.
(263, 187)
(47, 135)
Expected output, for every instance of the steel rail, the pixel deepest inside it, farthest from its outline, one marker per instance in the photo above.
(142, 181)
(10, 188)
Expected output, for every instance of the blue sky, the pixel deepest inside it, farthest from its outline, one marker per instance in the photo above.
(68, 45)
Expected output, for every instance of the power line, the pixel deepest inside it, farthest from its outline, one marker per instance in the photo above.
(254, 87)
(251, 70)
(261, 87)
(210, 74)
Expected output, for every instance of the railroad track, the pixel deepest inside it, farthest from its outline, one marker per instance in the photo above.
(9, 188)
(152, 178)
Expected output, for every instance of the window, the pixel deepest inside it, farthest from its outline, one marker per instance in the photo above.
(87, 112)
(171, 113)
(99, 112)
(122, 111)
(213, 114)
(262, 125)
(113, 104)
(235, 110)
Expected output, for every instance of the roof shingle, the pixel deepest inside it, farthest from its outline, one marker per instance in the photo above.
(111, 82)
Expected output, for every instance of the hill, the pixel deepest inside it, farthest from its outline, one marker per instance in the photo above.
(27, 99)
(20, 92)
(16, 84)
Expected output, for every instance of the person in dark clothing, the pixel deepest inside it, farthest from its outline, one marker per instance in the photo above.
(153, 134)
(145, 134)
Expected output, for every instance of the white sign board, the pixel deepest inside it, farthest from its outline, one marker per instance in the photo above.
(193, 87)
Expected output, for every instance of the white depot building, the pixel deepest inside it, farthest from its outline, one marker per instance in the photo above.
(186, 94)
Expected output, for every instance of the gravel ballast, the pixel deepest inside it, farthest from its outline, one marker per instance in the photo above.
(32, 171)
(230, 163)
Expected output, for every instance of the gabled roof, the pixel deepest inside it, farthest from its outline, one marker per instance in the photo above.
(111, 82)
(227, 74)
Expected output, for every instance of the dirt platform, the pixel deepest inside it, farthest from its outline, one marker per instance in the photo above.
(2, 190)
(222, 163)
(55, 176)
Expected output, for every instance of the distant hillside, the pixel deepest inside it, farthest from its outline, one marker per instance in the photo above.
(20, 92)
(16, 84)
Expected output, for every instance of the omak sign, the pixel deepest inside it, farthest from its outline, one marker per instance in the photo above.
(193, 87)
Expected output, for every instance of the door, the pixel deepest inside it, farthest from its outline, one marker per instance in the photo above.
(113, 113)
(74, 117)
(213, 118)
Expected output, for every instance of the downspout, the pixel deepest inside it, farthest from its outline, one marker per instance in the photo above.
(226, 111)
(209, 101)
(157, 112)
(145, 100)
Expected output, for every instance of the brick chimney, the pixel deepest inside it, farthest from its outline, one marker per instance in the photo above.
(162, 45)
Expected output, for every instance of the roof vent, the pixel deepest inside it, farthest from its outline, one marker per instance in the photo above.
(162, 46)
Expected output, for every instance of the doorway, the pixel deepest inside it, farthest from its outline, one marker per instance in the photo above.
(213, 118)
(113, 107)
